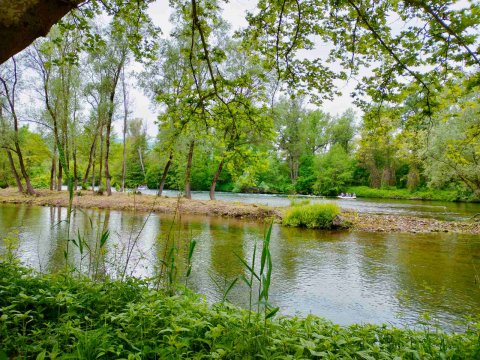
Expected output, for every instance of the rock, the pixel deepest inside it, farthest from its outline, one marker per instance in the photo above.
(340, 222)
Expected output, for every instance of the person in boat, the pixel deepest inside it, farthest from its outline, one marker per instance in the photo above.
(354, 195)
(342, 195)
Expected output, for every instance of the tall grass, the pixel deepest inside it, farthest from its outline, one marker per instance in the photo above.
(260, 278)
(315, 216)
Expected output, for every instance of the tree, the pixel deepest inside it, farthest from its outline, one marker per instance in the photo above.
(59, 89)
(9, 80)
(5, 143)
(136, 149)
(378, 148)
(334, 171)
(288, 115)
(452, 153)
(24, 21)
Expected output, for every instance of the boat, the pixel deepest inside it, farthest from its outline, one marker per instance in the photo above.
(143, 187)
(347, 197)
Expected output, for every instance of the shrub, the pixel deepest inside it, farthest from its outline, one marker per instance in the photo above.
(315, 216)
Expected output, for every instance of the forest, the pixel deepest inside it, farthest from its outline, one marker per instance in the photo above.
(100, 272)
(242, 110)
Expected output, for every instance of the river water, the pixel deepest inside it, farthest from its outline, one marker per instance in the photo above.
(432, 209)
(347, 277)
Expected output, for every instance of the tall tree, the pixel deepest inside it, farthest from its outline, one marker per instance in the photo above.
(9, 79)
(5, 143)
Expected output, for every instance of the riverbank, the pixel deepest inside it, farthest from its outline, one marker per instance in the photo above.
(49, 316)
(147, 203)
(405, 194)
(408, 224)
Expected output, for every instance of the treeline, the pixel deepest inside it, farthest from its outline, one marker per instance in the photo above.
(227, 120)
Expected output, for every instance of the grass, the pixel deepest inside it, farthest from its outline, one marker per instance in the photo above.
(315, 216)
(393, 193)
(66, 317)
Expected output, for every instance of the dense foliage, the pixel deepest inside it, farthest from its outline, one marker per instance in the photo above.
(241, 111)
(61, 316)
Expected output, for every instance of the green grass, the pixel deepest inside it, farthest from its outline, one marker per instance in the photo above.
(393, 193)
(66, 317)
(315, 216)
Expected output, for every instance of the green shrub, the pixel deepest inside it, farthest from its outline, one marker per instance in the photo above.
(315, 216)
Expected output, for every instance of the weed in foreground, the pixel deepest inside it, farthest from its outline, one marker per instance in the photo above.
(52, 316)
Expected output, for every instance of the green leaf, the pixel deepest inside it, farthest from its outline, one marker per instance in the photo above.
(104, 238)
(272, 313)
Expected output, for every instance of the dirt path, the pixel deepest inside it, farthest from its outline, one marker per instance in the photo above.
(121, 201)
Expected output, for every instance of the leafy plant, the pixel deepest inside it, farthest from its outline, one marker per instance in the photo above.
(51, 316)
(10, 245)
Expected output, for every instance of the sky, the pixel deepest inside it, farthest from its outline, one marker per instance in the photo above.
(234, 13)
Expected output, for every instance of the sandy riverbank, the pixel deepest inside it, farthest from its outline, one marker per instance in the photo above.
(130, 202)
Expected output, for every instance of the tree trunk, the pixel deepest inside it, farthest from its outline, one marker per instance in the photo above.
(388, 176)
(30, 190)
(164, 175)
(75, 170)
(215, 179)
(100, 173)
(35, 18)
(14, 171)
(125, 117)
(10, 96)
(141, 163)
(60, 176)
(90, 158)
(93, 171)
(107, 151)
(188, 193)
(53, 169)
(115, 79)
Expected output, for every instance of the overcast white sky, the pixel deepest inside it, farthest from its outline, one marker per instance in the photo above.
(234, 13)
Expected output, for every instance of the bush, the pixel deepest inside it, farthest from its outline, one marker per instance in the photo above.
(315, 216)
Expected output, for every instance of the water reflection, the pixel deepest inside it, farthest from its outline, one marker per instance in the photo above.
(345, 276)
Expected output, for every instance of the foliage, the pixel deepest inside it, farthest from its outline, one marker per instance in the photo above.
(247, 104)
(53, 316)
(454, 144)
(334, 171)
(314, 216)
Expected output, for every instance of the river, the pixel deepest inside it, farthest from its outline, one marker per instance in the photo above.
(347, 277)
(441, 210)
